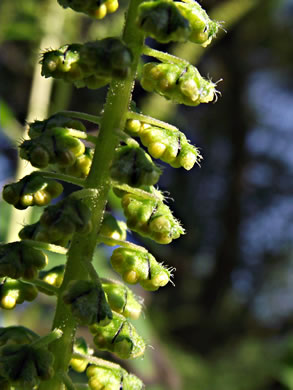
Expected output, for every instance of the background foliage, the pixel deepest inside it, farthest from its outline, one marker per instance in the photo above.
(228, 323)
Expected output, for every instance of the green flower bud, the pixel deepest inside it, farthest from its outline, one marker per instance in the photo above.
(119, 337)
(53, 276)
(108, 58)
(80, 346)
(82, 165)
(55, 146)
(203, 29)
(31, 190)
(113, 229)
(104, 378)
(96, 9)
(41, 233)
(139, 267)
(17, 335)
(65, 218)
(25, 366)
(20, 260)
(88, 302)
(37, 128)
(151, 218)
(122, 300)
(161, 20)
(133, 166)
(14, 292)
(181, 85)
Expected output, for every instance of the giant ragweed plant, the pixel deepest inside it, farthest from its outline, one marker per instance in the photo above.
(77, 223)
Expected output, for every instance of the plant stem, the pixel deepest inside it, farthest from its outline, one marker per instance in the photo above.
(46, 246)
(125, 244)
(96, 361)
(164, 57)
(151, 121)
(137, 191)
(82, 248)
(47, 339)
(62, 177)
(82, 115)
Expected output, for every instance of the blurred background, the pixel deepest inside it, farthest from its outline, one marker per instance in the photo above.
(228, 323)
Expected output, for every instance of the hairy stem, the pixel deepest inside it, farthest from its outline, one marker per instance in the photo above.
(82, 248)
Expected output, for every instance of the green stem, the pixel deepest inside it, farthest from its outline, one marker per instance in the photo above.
(46, 246)
(125, 244)
(127, 139)
(137, 191)
(44, 286)
(62, 177)
(151, 121)
(82, 248)
(81, 115)
(96, 361)
(48, 339)
(164, 57)
(67, 381)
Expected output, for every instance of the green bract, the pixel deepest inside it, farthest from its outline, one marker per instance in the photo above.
(178, 83)
(103, 378)
(203, 29)
(133, 166)
(20, 260)
(91, 65)
(65, 218)
(17, 335)
(151, 218)
(119, 337)
(161, 20)
(88, 302)
(31, 190)
(96, 9)
(122, 300)
(140, 267)
(14, 292)
(25, 366)
(56, 146)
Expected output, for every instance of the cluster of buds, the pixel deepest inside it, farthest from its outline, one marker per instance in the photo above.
(133, 166)
(167, 20)
(32, 190)
(20, 260)
(97, 9)
(151, 218)
(81, 166)
(59, 222)
(13, 292)
(91, 65)
(179, 83)
(112, 228)
(102, 378)
(22, 364)
(170, 146)
(140, 267)
(119, 337)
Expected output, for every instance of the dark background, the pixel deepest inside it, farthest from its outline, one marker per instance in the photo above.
(227, 324)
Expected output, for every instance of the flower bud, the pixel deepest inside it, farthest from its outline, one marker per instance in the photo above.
(25, 366)
(151, 218)
(161, 20)
(41, 233)
(88, 302)
(31, 190)
(203, 29)
(180, 84)
(113, 229)
(37, 128)
(139, 267)
(82, 165)
(105, 378)
(17, 335)
(53, 276)
(133, 166)
(79, 364)
(119, 337)
(14, 292)
(122, 300)
(20, 260)
(93, 8)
